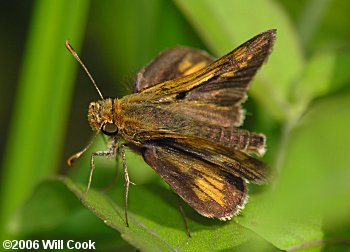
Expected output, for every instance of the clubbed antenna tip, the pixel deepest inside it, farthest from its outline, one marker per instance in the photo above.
(75, 55)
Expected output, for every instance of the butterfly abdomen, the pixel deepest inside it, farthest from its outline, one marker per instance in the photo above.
(239, 139)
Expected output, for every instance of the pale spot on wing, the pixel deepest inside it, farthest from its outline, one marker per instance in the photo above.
(228, 75)
(215, 182)
(196, 67)
(210, 190)
(184, 65)
(243, 64)
(200, 194)
(241, 51)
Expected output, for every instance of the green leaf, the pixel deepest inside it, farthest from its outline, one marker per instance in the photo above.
(48, 198)
(332, 30)
(223, 25)
(286, 232)
(325, 72)
(42, 101)
(317, 161)
(313, 183)
(310, 18)
(155, 222)
(53, 211)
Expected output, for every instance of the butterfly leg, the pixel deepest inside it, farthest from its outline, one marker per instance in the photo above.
(80, 153)
(127, 183)
(107, 153)
(184, 216)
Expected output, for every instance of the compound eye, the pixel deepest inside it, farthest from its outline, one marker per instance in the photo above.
(110, 129)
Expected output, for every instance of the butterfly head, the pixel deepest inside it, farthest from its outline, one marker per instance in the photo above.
(101, 116)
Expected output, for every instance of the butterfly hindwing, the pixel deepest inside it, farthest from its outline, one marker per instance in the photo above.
(225, 158)
(211, 191)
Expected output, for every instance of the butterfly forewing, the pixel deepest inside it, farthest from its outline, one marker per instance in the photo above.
(171, 64)
(214, 94)
(239, 66)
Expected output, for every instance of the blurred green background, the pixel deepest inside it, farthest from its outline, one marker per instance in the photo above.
(300, 99)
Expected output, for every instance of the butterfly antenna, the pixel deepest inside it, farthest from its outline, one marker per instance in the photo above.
(75, 55)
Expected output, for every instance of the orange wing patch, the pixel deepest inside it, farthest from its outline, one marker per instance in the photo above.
(208, 189)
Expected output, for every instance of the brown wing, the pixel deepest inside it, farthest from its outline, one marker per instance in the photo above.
(170, 64)
(210, 191)
(213, 95)
(225, 158)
